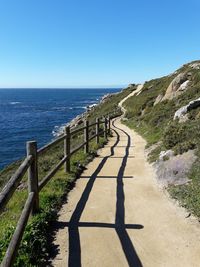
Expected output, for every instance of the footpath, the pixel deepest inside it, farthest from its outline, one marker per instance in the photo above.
(118, 216)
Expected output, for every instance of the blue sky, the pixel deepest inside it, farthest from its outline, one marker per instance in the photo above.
(94, 43)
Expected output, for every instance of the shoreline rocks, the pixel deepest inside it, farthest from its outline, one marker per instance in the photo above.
(79, 119)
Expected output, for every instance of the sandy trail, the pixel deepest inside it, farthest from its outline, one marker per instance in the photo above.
(117, 215)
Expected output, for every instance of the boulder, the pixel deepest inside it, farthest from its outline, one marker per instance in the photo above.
(174, 171)
(177, 86)
(181, 112)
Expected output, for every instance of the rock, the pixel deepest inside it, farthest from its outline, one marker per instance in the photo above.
(177, 86)
(195, 65)
(183, 86)
(91, 107)
(105, 98)
(130, 85)
(158, 99)
(164, 154)
(183, 118)
(181, 112)
(174, 171)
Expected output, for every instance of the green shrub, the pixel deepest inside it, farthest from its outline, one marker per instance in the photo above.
(174, 134)
(184, 147)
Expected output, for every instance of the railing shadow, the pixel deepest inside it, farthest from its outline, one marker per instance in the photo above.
(126, 243)
(74, 238)
(74, 258)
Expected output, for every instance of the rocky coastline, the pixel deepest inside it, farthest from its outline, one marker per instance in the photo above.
(79, 119)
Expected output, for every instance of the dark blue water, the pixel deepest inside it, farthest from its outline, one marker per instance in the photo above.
(33, 114)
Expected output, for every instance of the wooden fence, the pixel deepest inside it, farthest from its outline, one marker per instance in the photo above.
(30, 164)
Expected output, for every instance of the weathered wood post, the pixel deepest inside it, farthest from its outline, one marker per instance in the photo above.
(86, 136)
(105, 128)
(31, 148)
(67, 148)
(97, 130)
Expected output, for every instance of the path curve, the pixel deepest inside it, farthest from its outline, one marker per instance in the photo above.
(117, 216)
(135, 92)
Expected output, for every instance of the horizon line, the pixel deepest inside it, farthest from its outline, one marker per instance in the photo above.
(85, 87)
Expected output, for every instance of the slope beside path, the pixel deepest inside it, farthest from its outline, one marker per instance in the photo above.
(117, 216)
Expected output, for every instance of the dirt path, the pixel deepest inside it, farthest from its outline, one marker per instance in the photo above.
(117, 216)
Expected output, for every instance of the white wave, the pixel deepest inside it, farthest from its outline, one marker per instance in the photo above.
(78, 107)
(58, 130)
(14, 103)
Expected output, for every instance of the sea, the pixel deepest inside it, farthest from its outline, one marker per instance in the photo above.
(39, 114)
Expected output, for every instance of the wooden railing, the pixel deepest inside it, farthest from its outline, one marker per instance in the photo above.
(30, 164)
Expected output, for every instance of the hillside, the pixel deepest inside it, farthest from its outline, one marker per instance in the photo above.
(167, 113)
(34, 249)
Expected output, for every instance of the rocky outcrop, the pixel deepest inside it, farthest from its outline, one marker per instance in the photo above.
(81, 118)
(181, 113)
(106, 97)
(173, 170)
(78, 120)
(195, 65)
(177, 86)
(131, 85)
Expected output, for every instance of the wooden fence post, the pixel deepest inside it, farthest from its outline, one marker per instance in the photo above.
(97, 130)
(31, 148)
(105, 128)
(67, 148)
(86, 136)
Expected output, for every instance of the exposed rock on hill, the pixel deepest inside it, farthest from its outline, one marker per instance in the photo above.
(195, 65)
(177, 86)
(130, 86)
(158, 99)
(175, 169)
(181, 113)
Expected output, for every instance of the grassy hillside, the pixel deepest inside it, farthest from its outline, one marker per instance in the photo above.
(155, 122)
(35, 245)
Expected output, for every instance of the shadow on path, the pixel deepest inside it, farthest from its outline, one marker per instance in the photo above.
(126, 243)
(120, 227)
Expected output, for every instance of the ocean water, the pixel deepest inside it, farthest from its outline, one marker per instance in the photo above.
(37, 114)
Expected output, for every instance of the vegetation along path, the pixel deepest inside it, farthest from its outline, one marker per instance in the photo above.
(117, 215)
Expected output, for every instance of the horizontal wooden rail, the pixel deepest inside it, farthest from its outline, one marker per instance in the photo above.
(101, 131)
(92, 124)
(51, 174)
(77, 130)
(17, 236)
(77, 148)
(53, 143)
(13, 183)
(92, 137)
(30, 164)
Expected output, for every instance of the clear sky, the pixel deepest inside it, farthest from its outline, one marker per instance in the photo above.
(81, 43)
